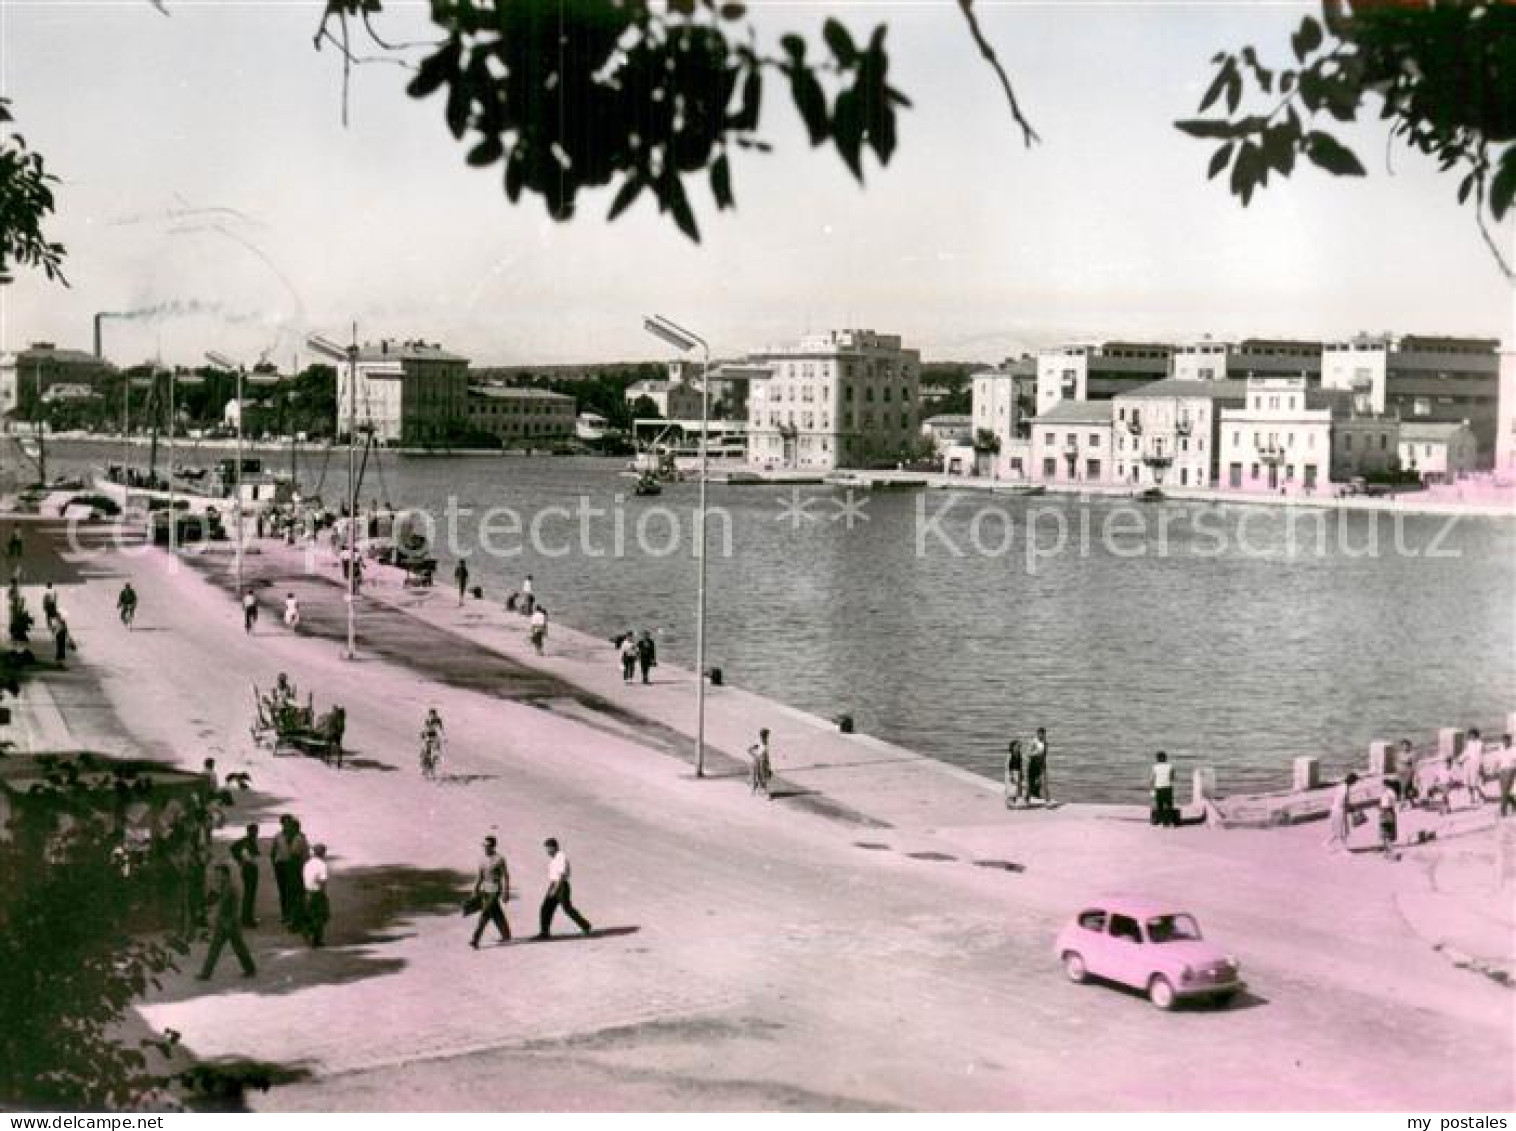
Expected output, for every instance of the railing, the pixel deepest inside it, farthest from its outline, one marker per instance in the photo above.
(1157, 459)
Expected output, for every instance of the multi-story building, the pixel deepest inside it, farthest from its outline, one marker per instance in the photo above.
(1169, 432)
(947, 429)
(1364, 446)
(1071, 443)
(1003, 403)
(1211, 360)
(1443, 380)
(521, 417)
(1505, 430)
(1280, 437)
(672, 399)
(27, 375)
(406, 392)
(1098, 373)
(845, 398)
(1439, 453)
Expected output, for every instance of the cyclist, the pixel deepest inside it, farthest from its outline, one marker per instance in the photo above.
(126, 605)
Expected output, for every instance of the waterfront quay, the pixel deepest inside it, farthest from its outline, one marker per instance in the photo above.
(877, 936)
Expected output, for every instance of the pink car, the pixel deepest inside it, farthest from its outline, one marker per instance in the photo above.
(1149, 946)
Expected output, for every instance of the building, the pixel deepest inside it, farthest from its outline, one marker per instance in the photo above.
(947, 429)
(406, 393)
(844, 398)
(1212, 360)
(1364, 446)
(1421, 379)
(1071, 443)
(1004, 401)
(1279, 438)
(1098, 373)
(1505, 434)
(522, 417)
(731, 382)
(28, 375)
(672, 399)
(1169, 432)
(1439, 453)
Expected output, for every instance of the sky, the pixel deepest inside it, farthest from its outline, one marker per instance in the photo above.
(208, 182)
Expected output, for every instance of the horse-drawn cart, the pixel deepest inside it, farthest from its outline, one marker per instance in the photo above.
(284, 726)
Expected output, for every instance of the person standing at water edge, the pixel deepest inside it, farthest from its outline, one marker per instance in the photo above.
(647, 654)
(225, 927)
(1473, 767)
(249, 611)
(245, 852)
(558, 892)
(1339, 823)
(1037, 768)
(1015, 774)
(318, 909)
(460, 575)
(1161, 779)
(539, 628)
(492, 887)
(1388, 830)
(762, 771)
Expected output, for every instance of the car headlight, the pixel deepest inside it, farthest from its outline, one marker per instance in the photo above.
(1187, 974)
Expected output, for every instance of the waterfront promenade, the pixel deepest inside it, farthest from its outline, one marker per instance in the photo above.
(878, 935)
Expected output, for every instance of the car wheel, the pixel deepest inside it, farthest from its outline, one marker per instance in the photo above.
(1161, 992)
(1074, 967)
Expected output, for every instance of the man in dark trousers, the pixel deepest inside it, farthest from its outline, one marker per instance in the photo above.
(558, 892)
(245, 852)
(647, 654)
(492, 887)
(316, 910)
(460, 575)
(1161, 780)
(225, 927)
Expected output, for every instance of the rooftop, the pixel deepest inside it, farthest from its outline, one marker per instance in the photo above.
(508, 392)
(406, 351)
(1430, 431)
(1078, 412)
(1176, 387)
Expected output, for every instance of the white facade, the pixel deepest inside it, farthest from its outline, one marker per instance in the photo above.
(1278, 440)
(1199, 361)
(999, 399)
(673, 400)
(1361, 367)
(406, 392)
(845, 398)
(1439, 453)
(1505, 414)
(1167, 434)
(948, 429)
(1062, 375)
(1071, 443)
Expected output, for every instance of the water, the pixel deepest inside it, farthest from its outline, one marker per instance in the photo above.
(1239, 659)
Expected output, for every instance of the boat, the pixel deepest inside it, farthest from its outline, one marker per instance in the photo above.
(1023, 490)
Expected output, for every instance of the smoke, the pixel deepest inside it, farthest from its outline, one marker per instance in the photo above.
(187, 308)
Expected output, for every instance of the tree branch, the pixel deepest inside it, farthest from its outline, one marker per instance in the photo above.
(1028, 134)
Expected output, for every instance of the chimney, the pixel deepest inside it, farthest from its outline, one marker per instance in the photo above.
(98, 348)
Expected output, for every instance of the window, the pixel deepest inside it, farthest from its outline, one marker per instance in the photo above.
(1254, 473)
(1236, 439)
(1347, 443)
(1094, 439)
(868, 393)
(886, 394)
(1049, 438)
(905, 420)
(1123, 927)
(1172, 928)
(1092, 469)
(1384, 439)
(1049, 468)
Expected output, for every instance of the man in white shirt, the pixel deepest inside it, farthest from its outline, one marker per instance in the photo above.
(539, 628)
(558, 892)
(528, 599)
(317, 909)
(1473, 767)
(1161, 778)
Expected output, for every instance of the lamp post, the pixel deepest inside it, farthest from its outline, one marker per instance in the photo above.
(226, 363)
(684, 341)
(349, 354)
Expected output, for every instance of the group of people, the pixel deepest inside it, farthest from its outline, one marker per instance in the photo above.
(492, 889)
(301, 875)
(636, 651)
(1026, 773)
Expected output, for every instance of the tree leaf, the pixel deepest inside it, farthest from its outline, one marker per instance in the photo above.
(672, 194)
(721, 182)
(487, 152)
(1206, 127)
(811, 103)
(1218, 84)
(840, 42)
(1306, 39)
(1503, 186)
(1330, 154)
(630, 189)
(1219, 161)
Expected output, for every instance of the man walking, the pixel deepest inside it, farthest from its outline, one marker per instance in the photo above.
(528, 598)
(318, 909)
(225, 927)
(1506, 766)
(1161, 780)
(244, 851)
(1037, 768)
(460, 575)
(1473, 767)
(558, 892)
(126, 605)
(492, 887)
(761, 771)
(539, 628)
(647, 654)
(49, 605)
(249, 612)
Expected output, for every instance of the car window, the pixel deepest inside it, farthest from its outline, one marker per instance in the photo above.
(1172, 928)
(1092, 921)
(1124, 928)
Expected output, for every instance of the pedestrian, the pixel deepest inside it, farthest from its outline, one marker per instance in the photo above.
(1338, 820)
(460, 575)
(539, 628)
(1505, 764)
(628, 648)
(492, 887)
(1405, 772)
(1037, 768)
(1161, 780)
(225, 926)
(126, 605)
(1388, 800)
(1473, 767)
(558, 892)
(647, 654)
(244, 851)
(249, 611)
(762, 769)
(432, 736)
(291, 611)
(49, 605)
(528, 598)
(289, 853)
(61, 639)
(318, 908)
(1015, 774)
(14, 546)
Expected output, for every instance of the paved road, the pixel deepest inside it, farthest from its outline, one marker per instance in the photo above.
(753, 955)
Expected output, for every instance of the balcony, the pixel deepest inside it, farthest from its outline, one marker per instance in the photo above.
(1157, 460)
(1070, 445)
(1183, 428)
(1273, 454)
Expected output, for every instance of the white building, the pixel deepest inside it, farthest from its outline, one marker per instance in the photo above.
(1505, 430)
(1439, 453)
(1280, 437)
(845, 398)
(523, 417)
(406, 392)
(1071, 443)
(672, 399)
(1098, 373)
(1210, 360)
(1004, 400)
(1168, 433)
(947, 429)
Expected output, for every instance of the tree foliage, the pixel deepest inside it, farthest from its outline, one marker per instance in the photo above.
(1442, 74)
(26, 200)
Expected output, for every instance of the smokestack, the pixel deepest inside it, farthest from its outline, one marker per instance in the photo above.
(98, 351)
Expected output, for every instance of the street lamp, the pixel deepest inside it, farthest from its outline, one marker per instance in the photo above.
(226, 363)
(684, 341)
(329, 349)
